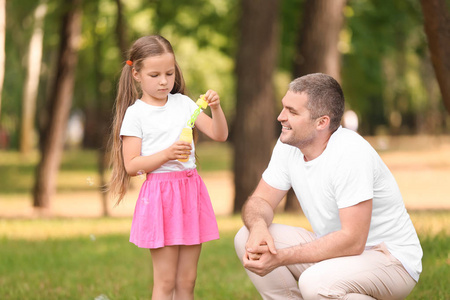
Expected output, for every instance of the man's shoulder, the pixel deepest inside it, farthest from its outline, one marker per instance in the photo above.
(348, 139)
(349, 146)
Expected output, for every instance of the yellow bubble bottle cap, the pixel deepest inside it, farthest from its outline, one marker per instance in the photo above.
(202, 102)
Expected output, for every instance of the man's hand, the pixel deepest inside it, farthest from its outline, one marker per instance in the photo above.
(259, 241)
(257, 215)
(257, 256)
(260, 251)
(266, 262)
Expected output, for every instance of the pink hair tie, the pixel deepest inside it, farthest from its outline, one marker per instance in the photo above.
(130, 63)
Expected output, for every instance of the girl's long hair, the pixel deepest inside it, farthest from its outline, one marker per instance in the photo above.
(128, 92)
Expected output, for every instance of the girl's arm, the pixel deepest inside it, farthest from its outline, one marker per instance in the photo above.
(135, 163)
(216, 127)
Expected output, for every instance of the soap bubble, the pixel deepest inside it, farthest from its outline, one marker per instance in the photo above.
(90, 181)
(92, 237)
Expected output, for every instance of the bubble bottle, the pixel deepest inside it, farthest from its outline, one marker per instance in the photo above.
(186, 132)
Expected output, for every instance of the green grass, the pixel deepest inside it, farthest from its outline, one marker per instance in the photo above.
(85, 258)
(213, 156)
(81, 265)
(434, 281)
(79, 167)
(17, 172)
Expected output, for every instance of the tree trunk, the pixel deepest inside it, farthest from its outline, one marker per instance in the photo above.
(437, 29)
(318, 50)
(318, 43)
(32, 80)
(60, 101)
(121, 30)
(2, 48)
(254, 127)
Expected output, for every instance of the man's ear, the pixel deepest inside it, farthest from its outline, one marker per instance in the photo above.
(323, 122)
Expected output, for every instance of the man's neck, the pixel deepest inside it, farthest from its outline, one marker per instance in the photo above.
(314, 150)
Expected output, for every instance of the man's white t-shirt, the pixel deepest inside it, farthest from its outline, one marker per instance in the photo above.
(159, 127)
(348, 172)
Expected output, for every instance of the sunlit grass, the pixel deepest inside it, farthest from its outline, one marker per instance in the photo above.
(431, 223)
(63, 228)
(85, 258)
(427, 223)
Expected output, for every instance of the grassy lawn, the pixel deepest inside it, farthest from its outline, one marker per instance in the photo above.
(87, 258)
(91, 258)
(77, 259)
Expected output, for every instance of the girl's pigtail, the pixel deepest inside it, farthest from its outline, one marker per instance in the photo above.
(126, 95)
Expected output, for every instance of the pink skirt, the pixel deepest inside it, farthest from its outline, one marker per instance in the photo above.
(173, 209)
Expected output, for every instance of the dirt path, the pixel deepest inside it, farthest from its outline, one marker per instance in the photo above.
(423, 176)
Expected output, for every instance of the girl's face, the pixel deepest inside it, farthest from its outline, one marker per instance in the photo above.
(157, 77)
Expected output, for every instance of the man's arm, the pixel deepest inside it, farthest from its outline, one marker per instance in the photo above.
(257, 215)
(350, 240)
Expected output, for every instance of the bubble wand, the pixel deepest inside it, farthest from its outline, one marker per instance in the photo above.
(186, 133)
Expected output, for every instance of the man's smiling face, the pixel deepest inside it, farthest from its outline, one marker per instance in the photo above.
(298, 129)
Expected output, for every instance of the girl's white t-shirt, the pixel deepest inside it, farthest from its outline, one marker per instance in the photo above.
(348, 172)
(159, 127)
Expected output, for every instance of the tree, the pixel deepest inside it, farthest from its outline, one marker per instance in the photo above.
(319, 37)
(2, 47)
(32, 80)
(121, 29)
(437, 29)
(318, 49)
(254, 126)
(60, 101)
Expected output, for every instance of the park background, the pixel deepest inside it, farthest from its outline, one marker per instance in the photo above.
(61, 236)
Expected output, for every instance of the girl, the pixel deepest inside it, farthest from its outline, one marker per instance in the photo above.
(173, 214)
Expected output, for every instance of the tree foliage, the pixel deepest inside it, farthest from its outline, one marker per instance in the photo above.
(386, 73)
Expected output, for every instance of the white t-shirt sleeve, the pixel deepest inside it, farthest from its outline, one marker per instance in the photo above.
(131, 124)
(354, 179)
(276, 175)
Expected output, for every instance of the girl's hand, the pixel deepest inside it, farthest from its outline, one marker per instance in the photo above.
(212, 98)
(179, 150)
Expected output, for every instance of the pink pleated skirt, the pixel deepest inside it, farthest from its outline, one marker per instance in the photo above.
(173, 209)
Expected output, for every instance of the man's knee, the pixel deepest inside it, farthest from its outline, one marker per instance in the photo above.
(240, 240)
(310, 284)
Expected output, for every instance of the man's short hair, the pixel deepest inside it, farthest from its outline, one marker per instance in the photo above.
(325, 96)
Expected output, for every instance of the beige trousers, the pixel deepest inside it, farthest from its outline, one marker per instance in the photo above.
(375, 274)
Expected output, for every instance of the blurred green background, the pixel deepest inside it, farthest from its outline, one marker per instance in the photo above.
(73, 244)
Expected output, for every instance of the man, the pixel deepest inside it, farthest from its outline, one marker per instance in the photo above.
(363, 244)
